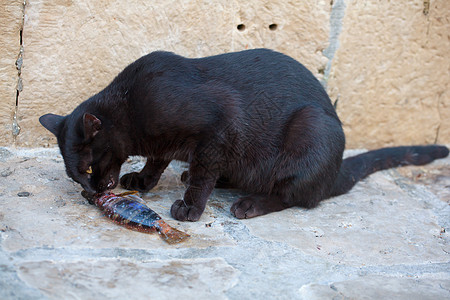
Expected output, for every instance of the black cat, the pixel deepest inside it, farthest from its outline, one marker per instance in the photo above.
(256, 120)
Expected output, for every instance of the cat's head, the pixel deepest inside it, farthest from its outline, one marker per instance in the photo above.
(88, 149)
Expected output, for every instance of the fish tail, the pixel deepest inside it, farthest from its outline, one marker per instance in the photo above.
(169, 234)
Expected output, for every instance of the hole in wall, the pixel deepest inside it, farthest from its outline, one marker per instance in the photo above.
(273, 27)
(241, 27)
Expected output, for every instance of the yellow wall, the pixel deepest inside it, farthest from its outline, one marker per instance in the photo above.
(387, 62)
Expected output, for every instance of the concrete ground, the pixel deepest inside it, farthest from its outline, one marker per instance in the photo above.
(387, 239)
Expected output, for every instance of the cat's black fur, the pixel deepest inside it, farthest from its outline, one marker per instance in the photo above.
(256, 120)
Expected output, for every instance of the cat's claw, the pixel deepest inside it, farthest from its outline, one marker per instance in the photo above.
(183, 212)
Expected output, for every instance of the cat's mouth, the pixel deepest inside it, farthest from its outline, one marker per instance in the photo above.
(107, 184)
(89, 193)
(92, 189)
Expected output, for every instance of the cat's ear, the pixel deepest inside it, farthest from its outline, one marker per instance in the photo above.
(92, 125)
(52, 123)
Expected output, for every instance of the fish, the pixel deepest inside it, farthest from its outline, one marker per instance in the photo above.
(130, 211)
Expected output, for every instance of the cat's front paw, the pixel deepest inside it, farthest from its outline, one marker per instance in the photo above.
(133, 181)
(183, 212)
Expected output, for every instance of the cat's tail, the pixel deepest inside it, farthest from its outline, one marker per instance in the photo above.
(358, 167)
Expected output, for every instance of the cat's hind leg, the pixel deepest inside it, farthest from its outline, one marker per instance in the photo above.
(256, 205)
(146, 179)
(303, 171)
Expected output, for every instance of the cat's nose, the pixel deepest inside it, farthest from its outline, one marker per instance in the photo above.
(86, 184)
(88, 189)
(89, 197)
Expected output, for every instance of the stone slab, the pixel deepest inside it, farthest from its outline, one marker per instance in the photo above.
(75, 48)
(122, 278)
(353, 228)
(387, 238)
(11, 13)
(391, 73)
(55, 202)
(386, 62)
(379, 287)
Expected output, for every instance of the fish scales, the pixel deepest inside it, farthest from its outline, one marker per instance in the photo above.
(130, 211)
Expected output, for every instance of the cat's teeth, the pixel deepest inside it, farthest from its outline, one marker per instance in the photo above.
(110, 184)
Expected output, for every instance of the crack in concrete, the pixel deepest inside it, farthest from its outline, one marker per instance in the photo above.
(15, 127)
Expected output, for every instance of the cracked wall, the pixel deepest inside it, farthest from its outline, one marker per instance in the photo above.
(386, 62)
(11, 24)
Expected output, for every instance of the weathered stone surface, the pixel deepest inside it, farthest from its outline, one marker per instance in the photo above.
(391, 73)
(75, 48)
(353, 228)
(388, 237)
(379, 287)
(125, 278)
(436, 178)
(11, 13)
(300, 30)
(74, 222)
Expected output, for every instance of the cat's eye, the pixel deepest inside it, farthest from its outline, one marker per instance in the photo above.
(89, 170)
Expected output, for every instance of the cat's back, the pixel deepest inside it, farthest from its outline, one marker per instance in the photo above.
(257, 71)
(253, 69)
(251, 65)
(250, 79)
(247, 66)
